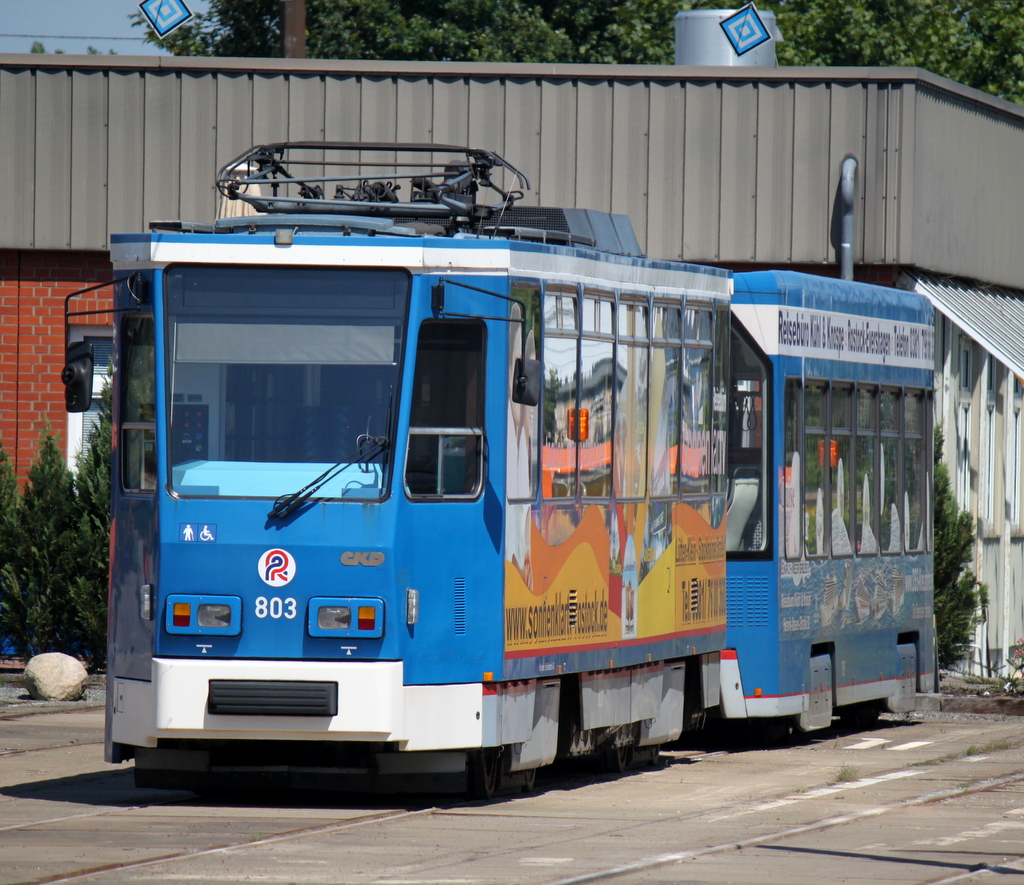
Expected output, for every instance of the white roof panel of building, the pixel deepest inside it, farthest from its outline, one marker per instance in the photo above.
(992, 315)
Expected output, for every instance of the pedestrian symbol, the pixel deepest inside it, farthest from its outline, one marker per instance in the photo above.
(197, 531)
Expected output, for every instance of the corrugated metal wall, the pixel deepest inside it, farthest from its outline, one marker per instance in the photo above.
(968, 189)
(710, 164)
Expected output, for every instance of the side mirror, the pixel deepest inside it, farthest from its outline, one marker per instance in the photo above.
(77, 377)
(526, 382)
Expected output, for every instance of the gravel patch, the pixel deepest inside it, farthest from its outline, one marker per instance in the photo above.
(946, 716)
(14, 695)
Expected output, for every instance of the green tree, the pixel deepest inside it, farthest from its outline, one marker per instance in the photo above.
(437, 30)
(39, 559)
(633, 32)
(54, 555)
(959, 598)
(975, 42)
(88, 592)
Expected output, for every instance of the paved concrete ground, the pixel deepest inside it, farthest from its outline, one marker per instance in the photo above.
(924, 798)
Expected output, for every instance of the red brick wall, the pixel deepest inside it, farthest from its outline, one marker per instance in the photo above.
(33, 286)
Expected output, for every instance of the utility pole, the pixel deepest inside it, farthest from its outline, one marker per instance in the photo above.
(293, 28)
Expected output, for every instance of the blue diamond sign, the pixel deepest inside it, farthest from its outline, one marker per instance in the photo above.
(745, 29)
(165, 15)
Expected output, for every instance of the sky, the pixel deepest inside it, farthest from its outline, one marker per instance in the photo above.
(75, 25)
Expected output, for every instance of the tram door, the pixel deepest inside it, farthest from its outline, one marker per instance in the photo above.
(454, 550)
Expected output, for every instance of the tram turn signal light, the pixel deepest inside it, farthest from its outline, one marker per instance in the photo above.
(182, 616)
(367, 617)
(833, 453)
(579, 424)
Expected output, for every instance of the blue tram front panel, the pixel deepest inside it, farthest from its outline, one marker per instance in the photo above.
(280, 380)
(272, 527)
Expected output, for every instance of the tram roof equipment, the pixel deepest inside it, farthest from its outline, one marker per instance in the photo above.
(355, 186)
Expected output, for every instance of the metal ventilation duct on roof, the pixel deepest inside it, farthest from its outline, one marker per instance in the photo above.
(604, 231)
(701, 38)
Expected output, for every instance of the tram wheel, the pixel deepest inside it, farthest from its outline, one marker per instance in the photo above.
(771, 732)
(861, 717)
(615, 760)
(484, 773)
(529, 779)
(866, 717)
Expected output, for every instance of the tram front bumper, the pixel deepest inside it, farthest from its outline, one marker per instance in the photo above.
(293, 700)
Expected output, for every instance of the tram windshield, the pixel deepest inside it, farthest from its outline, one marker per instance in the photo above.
(276, 374)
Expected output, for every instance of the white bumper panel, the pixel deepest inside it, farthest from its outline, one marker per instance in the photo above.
(790, 705)
(864, 691)
(731, 698)
(373, 705)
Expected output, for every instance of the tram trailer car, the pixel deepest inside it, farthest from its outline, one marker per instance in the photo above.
(830, 514)
(407, 495)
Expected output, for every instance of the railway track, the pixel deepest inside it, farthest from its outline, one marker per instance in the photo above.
(722, 809)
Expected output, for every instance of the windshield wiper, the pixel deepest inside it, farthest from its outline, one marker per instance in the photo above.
(288, 504)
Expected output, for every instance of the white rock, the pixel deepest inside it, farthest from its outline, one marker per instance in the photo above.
(55, 677)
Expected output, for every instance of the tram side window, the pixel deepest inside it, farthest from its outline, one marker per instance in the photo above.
(631, 401)
(597, 377)
(817, 455)
(719, 401)
(916, 471)
(697, 401)
(840, 449)
(866, 479)
(792, 474)
(138, 405)
(890, 519)
(558, 452)
(523, 421)
(666, 362)
(747, 501)
(445, 457)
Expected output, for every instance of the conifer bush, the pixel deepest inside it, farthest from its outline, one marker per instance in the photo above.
(959, 598)
(54, 549)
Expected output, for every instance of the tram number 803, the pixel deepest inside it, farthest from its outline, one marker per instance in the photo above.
(276, 607)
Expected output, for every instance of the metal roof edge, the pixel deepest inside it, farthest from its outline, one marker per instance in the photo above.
(510, 70)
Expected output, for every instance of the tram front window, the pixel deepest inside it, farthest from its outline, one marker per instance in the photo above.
(276, 374)
(747, 504)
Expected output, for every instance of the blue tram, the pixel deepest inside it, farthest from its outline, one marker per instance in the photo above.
(414, 491)
(829, 532)
(410, 490)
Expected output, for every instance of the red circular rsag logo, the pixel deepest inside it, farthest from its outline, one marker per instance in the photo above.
(276, 567)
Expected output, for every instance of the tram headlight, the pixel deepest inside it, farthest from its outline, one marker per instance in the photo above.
(334, 617)
(214, 614)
